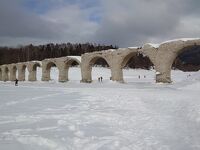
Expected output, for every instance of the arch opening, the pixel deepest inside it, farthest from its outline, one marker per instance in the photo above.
(73, 70)
(99, 67)
(72, 63)
(52, 71)
(186, 63)
(38, 71)
(35, 66)
(137, 68)
(24, 72)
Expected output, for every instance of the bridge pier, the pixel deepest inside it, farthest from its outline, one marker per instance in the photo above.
(21, 71)
(32, 69)
(63, 74)
(32, 75)
(117, 74)
(5, 73)
(0, 74)
(86, 73)
(13, 71)
(45, 72)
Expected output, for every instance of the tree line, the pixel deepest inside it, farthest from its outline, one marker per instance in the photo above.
(30, 52)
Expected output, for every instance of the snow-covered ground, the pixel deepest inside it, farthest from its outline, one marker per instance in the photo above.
(137, 115)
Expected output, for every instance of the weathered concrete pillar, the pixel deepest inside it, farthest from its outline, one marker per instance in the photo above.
(5, 73)
(32, 74)
(5, 76)
(163, 67)
(86, 73)
(21, 71)
(45, 72)
(63, 74)
(12, 76)
(117, 73)
(164, 60)
(163, 74)
(12, 70)
(0, 74)
(86, 70)
(116, 68)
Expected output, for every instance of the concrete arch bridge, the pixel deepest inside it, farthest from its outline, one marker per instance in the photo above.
(162, 57)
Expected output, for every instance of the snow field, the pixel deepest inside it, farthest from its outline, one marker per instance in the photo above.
(138, 115)
(130, 75)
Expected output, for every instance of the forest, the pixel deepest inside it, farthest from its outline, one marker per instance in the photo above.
(30, 52)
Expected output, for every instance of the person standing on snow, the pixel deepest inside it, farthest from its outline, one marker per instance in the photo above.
(16, 82)
(101, 78)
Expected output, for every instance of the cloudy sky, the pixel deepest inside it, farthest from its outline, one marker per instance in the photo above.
(119, 22)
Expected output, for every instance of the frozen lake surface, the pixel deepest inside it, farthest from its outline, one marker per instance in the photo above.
(137, 115)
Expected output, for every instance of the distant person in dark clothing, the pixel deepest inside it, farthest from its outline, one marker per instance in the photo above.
(16, 82)
(101, 79)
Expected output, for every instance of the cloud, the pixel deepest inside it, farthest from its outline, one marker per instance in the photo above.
(74, 23)
(188, 27)
(59, 24)
(119, 22)
(16, 22)
(135, 22)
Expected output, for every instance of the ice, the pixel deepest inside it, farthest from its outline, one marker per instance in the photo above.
(136, 115)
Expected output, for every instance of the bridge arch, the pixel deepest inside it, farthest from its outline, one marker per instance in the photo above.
(167, 53)
(88, 62)
(32, 69)
(46, 69)
(35, 65)
(134, 60)
(185, 62)
(22, 67)
(50, 64)
(94, 59)
(126, 58)
(70, 62)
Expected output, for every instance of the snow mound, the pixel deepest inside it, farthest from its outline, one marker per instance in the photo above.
(75, 57)
(169, 41)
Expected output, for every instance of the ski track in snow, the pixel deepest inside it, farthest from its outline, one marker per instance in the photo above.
(138, 115)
